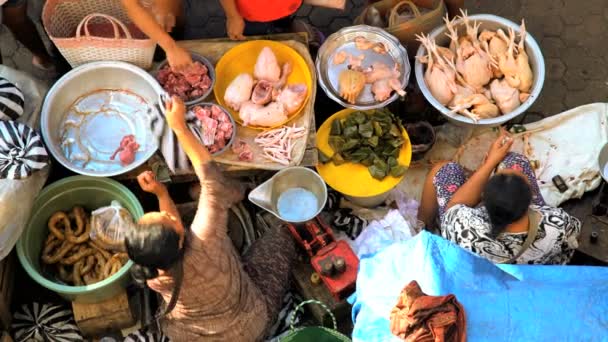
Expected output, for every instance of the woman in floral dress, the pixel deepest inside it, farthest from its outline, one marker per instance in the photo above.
(490, 213)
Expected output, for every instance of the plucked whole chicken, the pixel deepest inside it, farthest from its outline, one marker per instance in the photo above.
(266, 99)
(480, 75)
(239, 91)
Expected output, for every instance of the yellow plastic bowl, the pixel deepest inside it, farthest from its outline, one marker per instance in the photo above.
(241, 59)
(354, 179)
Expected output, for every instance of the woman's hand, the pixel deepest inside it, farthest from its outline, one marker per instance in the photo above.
(148, 183)
(175, 113)
(235, 26)
(178, 58)
(499, 149)
(163, 12)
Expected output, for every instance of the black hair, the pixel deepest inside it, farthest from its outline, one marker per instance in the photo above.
(153, 247)
(506, 197)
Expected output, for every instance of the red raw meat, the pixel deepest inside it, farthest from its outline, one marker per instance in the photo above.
(226, 128)
(243, 150)
(126, 150)
(189, 84)
(197, 68)
(209, 127)
(201, 112)
(196, 93)
(205, 83)
(193, 79)
(216, 132)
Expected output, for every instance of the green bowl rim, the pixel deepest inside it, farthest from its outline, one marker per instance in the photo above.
(75, 290)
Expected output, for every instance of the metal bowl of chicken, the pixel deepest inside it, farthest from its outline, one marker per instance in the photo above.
(343, 42)
(492, 23)
(193, 87)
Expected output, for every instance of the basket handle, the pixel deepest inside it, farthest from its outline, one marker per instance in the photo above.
(392, 18)
(115, 23)
(311, 301)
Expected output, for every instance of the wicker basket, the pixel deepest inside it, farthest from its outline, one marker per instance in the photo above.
(67, 23)
(406, 31)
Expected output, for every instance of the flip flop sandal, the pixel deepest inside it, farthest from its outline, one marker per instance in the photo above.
(315, 35)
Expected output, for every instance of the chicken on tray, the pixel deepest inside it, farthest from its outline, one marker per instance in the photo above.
(265, 99)
(383, 79)
(480, 75)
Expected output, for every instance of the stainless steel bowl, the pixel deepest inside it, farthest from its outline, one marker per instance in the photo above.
(89, 78)
(205, 62)
(602, 162)
(234, 126)
(489, 22)
(343, 40)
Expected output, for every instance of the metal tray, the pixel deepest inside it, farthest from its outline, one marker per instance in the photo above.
(94, 125)
(343, 40)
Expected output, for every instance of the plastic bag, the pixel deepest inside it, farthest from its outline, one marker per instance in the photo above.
(109, 225)
(382, 233)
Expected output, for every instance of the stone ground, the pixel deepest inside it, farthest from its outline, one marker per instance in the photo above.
(572, 38)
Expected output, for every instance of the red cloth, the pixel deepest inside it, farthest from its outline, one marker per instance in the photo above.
(421, 318)
(267, 10)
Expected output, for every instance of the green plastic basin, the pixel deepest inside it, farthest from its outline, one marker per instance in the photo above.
(90, 193)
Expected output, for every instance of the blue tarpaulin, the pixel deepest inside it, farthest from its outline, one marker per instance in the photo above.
(502, 302)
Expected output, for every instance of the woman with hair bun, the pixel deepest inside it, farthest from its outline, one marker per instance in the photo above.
(210, 294)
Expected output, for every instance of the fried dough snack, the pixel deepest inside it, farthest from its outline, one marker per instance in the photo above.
(76, 259)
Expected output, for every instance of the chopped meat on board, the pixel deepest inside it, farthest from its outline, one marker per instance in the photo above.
(189, 84)
(243, 150)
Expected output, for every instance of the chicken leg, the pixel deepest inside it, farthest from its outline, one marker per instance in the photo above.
(523, 65)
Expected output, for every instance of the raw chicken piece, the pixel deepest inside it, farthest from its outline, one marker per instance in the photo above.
(126, 150)
(285, 72)
(267, 67)
(524, 72)
(292, 97)
(363, 43)
(262, 93)
(378, 71)
(486, 111)
(242, 150)
(476, 68)
(442, 85)
(383, 88)
(507, 63)
(355, 62)
(350, 84)
(506, 97)
(271, 115)
(238, 91)
(340, 57)
(483, 108)
(209, 127)
(461, 94)
(494, 46)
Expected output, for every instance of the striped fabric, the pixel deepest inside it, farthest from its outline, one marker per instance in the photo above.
(21, 151)
(175, 157)
(45, 322)
(146, 335)
(11, 100)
